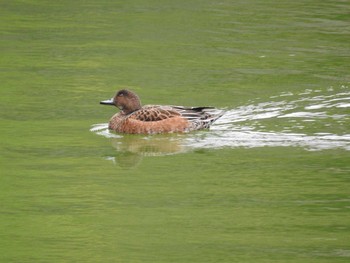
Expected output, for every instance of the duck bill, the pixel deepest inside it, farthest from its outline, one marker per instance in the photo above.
(107, 102)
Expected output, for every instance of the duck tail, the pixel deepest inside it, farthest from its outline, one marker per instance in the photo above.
(209, 116)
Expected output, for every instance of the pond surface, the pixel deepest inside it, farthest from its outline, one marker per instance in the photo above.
(268, 182)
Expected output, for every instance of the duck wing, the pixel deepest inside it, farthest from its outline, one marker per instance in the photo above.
(198, 117)
(154, 113)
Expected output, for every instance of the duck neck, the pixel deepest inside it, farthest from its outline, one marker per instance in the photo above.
(128, 110)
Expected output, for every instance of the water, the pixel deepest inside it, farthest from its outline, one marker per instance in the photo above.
(268, 182)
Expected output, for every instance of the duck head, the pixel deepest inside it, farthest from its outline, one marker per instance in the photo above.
(126, 100)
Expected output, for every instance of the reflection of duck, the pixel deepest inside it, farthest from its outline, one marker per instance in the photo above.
(148, 146)
(132, 149)
(150, 119)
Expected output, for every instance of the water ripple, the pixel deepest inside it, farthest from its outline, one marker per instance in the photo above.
(285, 122)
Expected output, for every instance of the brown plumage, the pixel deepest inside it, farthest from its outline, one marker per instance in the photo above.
(150, 119)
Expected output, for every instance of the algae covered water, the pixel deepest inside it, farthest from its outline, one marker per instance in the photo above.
(269, 181)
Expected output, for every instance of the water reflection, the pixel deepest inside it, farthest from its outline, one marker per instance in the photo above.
(148, 145)
(130, 149)
(312, 119)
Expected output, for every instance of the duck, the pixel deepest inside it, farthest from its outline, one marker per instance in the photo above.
(133, 118)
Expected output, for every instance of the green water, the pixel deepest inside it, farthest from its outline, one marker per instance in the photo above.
(268, 183)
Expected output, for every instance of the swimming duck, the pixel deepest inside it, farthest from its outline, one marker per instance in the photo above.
(150, 119)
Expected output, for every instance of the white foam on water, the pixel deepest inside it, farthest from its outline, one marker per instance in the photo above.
(244, 126)
(251, 139)
(102, 129)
